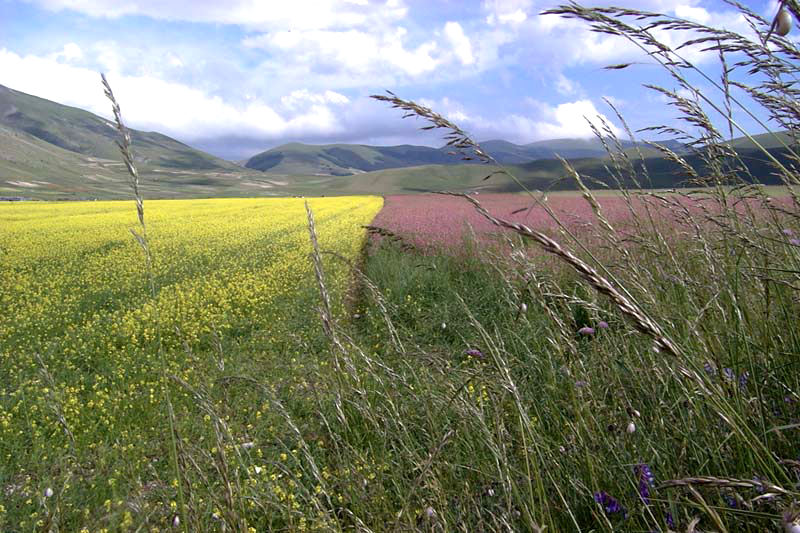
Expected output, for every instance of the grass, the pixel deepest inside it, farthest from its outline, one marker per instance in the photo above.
(640, 376)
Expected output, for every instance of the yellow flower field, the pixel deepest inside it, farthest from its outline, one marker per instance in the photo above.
(84, 347)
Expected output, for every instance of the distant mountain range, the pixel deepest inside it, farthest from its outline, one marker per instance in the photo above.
(348, 159)
(51, 151)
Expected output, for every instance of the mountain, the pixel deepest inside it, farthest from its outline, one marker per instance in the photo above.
(345, 159)
(349, 159)
(84, 133)
(52, 151)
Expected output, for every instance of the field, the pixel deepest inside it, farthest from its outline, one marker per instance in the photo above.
(87, 353)
(490, 389)
(436, 221)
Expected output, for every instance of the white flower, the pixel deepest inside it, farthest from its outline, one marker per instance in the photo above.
(176, 521)
(48, 492)
(444, 326)
(523, 307)
(257, 469)
(248, 445)
(631, 427)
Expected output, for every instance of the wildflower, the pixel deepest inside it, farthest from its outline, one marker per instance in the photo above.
(791, 521)
(794, 242)
(523, 307)
(669, 520)
(710, 369)
(731, 501)
(788, 232)
(48, 492)
(610, 504)
(602, 324)
(586, 330)
(743, 379)
(176, 521)
(248, 445)
(430, 512)
(444, 326)
(472, 352)
(646, 481)
(728, 374)
(631, 427)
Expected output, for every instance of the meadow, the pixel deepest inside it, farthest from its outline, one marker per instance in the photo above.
(85, 345)
(616, 362)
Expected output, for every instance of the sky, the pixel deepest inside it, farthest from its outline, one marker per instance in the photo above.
(235, 78)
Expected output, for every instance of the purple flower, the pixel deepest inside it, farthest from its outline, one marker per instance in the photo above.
(586, 330)
(610, 504)
(710, 369)
(743, 379)
(646, 480)
(794, 242)
(602, 324)
(669, 520)
(472, 352)
(728, 374)
(788, 232)
(731, 501)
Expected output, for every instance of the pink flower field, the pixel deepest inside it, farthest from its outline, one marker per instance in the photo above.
(435, 221)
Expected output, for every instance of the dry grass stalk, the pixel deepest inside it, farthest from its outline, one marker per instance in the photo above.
(127, 156)
(325, 307)
(457, 138)
(730, 483)
(391, 236)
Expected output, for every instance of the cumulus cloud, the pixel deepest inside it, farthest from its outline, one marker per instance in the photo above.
(545, 121)
(297, 14)
(506, 11)
(351, 52)
(570, 119)
(70, 52)
(460, 42)
(303, 96)
(169, 107)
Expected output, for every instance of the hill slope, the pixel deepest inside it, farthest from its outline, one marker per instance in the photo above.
(79, 131)
(345, 159)
(50, 151)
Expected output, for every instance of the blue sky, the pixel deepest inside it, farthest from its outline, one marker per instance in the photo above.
(237, 77)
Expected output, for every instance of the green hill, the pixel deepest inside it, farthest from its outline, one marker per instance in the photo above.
(51, 151)
(345, 159)
(349, 159)
(84, 133)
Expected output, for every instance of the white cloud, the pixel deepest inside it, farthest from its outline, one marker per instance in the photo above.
(460, 42)
(565, 85)
(351, 52)
(568, 120)
(173, 108)
(70, 52)
(696, 14)
(304, 96)
(506, 11)
(565, 120)
(297, 14)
